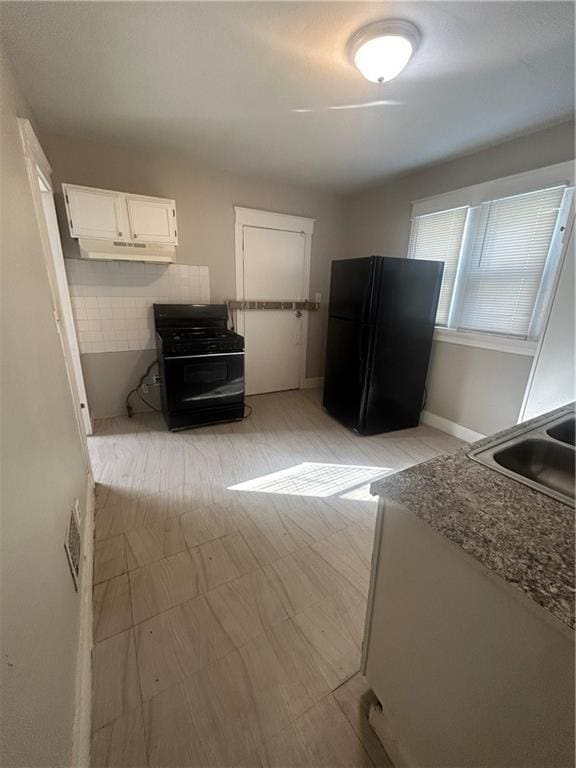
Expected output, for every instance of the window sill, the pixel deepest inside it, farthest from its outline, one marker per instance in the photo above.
(486, 341)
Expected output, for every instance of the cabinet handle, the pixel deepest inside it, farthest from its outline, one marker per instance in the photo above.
(119, 234)
(134, 235)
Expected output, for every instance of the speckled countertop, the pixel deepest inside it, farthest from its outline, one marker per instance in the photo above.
(523, 535)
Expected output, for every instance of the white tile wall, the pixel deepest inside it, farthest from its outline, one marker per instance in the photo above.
(112, 300)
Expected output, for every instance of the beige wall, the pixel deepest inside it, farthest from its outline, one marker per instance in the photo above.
(205, 202)
(42, 473)
(109, 376)
(478, 388)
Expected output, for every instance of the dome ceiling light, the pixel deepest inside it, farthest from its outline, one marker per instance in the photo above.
(381, 50)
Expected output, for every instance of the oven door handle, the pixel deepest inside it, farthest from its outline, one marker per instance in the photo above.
(212, 354)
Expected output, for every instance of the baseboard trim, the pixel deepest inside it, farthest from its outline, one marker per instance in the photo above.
(313, 383)
(83, 687)
(450, 427)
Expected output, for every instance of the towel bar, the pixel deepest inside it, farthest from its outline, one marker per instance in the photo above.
(310, 306)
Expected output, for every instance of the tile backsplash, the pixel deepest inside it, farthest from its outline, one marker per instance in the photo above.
(112, 300)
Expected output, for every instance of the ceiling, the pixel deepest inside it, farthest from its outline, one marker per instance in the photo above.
(220, 82)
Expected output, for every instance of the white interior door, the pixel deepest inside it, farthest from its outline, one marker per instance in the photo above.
(274, 268)
(64, 316)
(39, 174)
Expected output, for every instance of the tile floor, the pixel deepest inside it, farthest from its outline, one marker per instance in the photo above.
(231, 572)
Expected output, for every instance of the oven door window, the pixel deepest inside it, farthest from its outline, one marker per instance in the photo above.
(205, 376)
(203, 382)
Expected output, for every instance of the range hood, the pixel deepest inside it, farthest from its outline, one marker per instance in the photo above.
(116, 250)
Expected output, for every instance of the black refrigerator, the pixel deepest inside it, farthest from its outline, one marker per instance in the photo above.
(380, 329)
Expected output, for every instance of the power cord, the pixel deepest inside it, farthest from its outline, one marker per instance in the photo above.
(249, 407)
(136, 390)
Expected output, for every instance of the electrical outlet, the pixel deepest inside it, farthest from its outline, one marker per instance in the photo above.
(72, 544)
(156, 380)
(318, 298)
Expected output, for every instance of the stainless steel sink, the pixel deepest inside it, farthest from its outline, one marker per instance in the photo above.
(563, 431)
(541, 461)
(541, 455)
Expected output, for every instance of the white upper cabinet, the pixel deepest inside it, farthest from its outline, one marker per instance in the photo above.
(100, 214)
(96, 213)
(152, 220)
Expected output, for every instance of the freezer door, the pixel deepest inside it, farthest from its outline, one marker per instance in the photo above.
(351, 289)
(345, 374)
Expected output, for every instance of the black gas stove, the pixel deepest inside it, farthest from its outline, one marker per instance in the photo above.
(201, 365)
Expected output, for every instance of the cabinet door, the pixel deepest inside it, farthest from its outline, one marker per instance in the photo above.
(95, 213)
(152, 220)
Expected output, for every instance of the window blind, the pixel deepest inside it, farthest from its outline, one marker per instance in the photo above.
(506, 261)
(438, 237)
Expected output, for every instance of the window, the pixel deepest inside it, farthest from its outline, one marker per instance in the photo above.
(438, 236)
(500, 258)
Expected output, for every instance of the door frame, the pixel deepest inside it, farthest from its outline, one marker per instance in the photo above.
(283, 222)
(39, 171)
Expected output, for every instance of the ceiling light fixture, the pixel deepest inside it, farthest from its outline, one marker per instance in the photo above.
(381, 50)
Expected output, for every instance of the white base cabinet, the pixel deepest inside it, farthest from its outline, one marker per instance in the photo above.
(469, 672)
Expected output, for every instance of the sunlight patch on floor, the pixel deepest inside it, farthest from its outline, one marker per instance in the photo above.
(317, 479)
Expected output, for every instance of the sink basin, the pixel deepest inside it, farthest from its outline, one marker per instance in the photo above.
(541, 454)
(564, 431)
(541, 461)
